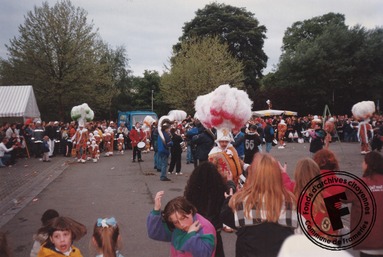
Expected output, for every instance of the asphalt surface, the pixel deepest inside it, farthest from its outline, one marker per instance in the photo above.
(112, 187)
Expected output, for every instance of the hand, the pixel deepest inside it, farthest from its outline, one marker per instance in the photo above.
(283, 168)
(196, 226)
(157, 200)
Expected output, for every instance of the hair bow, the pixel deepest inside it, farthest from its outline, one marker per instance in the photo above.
(106, 222)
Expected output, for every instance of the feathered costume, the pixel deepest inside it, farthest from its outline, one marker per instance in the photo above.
(224, 109)
(363, 111)
(81, 114)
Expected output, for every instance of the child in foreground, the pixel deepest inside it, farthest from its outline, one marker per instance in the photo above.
(61, 231)
(190, 234)
(106, 237)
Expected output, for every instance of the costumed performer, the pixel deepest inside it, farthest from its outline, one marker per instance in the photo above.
(329, 127)
(282, 127)
(81, 114)
(317, 135)
(147, 128)
(363, 111)
(224, 109)
(120, 143)
(94, 151)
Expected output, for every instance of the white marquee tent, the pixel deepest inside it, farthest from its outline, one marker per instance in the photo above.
(18, 103)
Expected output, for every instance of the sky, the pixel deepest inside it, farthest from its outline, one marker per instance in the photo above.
(149, 28)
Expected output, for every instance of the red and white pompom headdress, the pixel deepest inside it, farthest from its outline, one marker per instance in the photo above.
(225, 108)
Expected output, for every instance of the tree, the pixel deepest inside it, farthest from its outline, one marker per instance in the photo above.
(60, 54)
(325, 62)
(240, 30)
(199, 66)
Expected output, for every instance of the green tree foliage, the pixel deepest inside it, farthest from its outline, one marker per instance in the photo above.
(199, 66)
(239, 29)
(63, 57)
(325, 62)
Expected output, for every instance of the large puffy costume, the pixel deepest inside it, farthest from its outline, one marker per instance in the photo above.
(147, 128)
(282, 127)
(81, 114)
(363, 111)
(224, 109)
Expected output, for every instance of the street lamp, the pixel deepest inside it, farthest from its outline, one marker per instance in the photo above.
(152, 98)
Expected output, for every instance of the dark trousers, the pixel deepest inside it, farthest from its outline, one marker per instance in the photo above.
(38, 150)
(137, 153)
(175, 160)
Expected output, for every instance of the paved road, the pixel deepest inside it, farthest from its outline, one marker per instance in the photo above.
(113, 187)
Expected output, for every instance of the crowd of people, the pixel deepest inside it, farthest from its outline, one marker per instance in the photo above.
(235, 185)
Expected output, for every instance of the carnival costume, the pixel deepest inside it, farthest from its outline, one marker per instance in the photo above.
(329, 127)
(282, 127)
(120, 143)
(81, 113)
(94, 151)
(363, 111)
(224, 109)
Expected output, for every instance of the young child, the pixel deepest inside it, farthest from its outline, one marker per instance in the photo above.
(46, 149)
(190, 234)
(106, 237)
(61, 231)
(40, 238)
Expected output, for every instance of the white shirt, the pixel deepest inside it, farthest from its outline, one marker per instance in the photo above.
(4, 149)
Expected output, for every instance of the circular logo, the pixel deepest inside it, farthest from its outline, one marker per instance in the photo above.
(336, 210)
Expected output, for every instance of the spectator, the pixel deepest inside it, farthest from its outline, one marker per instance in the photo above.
(263, 212)
(175, 152)
(40, 238)
(106, 237)
(62, 231)
(5, 157)
(190, 233)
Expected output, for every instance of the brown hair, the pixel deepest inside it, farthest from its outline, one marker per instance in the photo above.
(178, 204)
(263, 187)
(326, 160)
(305, 170)
(106, 239)
(374, 161)
(60, 223)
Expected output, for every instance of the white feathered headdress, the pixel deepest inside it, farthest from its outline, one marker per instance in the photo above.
(363, 110)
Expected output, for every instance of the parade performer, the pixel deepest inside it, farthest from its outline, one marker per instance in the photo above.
(282, 127)
(147, 128)
(136, 136)
(317, 135)
(120, 143)
(224, 109)
(108, 142)
(81, 114)
(329, 127)
(363, 111)
(94, 151)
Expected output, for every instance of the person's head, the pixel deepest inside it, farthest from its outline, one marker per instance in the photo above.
(62, 231)
(178, 213)
(305, 170)
(137, 125)
(106, 235)
(263, 186)
(205, 188)
(326, 160)
(372, 164)
(48, 215)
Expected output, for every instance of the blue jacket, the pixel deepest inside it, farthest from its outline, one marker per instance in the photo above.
(162, 148)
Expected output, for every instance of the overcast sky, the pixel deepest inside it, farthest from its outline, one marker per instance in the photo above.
(149, 28)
